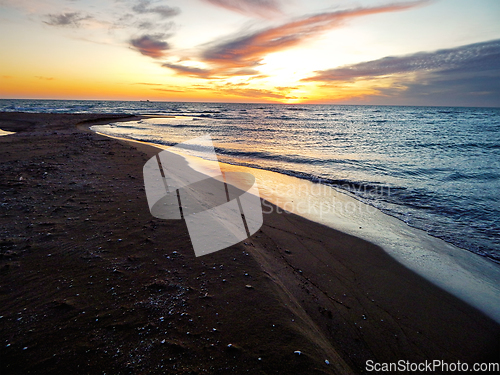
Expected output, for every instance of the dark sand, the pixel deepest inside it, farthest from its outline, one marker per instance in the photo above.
(91, 283)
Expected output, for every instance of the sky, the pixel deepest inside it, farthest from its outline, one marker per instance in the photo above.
(411, 52)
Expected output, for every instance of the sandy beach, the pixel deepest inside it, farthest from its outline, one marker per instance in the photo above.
(91, 283)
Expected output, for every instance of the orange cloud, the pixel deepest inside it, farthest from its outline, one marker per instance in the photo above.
(216, 72)
(257, 93)
(242, 89)
(241, 55)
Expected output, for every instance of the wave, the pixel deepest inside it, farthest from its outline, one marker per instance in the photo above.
(296, 109)
(283, 158)
(351, 186)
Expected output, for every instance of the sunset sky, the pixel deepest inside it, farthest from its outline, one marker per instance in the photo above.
(441, 52)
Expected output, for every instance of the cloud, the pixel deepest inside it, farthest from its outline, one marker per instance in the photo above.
(189, 71)
(150, 45)
(72, 19)
(256, 93)
(144, 6)
(209, 73)
(150, 26)
(249, 50)
(146, 25)
(241, 90)
(465, 75)
(45, 78)
(479, 56)
(245, 53)
(261, 8)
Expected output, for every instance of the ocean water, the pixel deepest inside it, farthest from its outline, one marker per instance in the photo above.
(436, 168)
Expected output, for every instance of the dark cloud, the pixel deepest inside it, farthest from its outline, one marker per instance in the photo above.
(464, 76)
(246, 52)
(66, 19)
(150, 45)
(45, 78)
(474, 57)
(144, 6)
(190, 71)
(146, 25)
(149, 26)
(452, 87)
(261, 8)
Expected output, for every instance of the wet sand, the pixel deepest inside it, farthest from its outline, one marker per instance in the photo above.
(90, 282)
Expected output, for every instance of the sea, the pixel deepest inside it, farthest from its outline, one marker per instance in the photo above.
(435, 168)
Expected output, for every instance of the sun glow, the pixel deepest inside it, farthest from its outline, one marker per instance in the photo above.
(181, 52)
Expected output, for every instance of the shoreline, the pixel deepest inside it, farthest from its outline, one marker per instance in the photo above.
(313, 180)
(100, 285)
(468, 276)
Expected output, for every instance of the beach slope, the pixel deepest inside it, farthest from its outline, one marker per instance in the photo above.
(90, 282)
